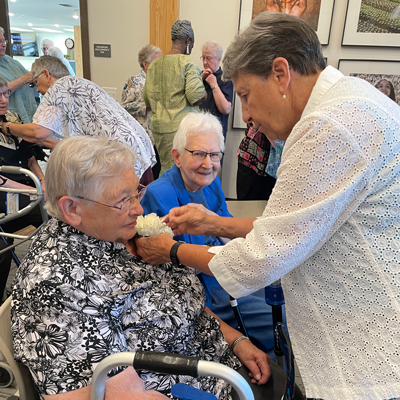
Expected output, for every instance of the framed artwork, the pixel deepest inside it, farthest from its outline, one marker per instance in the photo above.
(372, 23)
(317, 13)
(384, 75)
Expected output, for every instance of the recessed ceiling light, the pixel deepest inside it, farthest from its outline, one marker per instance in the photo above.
(10, 14)
(13, 1)
(56, 25)
(13, 29)
(69, 30)
(30, 24)
(46, 30)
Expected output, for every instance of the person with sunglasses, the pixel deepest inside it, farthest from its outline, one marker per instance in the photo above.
(198, 147)
(22, 98)
(219, 92)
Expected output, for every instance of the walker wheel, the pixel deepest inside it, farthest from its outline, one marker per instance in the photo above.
(6, 375)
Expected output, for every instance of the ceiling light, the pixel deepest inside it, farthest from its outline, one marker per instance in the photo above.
(75, 14)
(10, 14)
(13, 1)
(69, 30)
(13, 29)
(56, 25)
(30, 24)
(47, 30)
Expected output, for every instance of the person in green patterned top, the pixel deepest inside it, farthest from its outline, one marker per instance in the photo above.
(173, 88)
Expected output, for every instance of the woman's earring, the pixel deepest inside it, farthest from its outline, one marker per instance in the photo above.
(187, 49)
(284, 96)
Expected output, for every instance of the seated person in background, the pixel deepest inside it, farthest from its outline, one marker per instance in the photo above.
(74, 106)
(132, 96)
(46, 44)
(82, 294)
(18, 153)
(197, 150)
(219, 92)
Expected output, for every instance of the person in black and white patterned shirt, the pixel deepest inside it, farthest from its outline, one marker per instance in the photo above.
(82, 294)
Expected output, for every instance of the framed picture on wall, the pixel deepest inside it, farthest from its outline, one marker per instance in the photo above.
(317, 13)
(384, 75)
(372, 23)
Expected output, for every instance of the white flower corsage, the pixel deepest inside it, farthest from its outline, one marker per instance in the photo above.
(151, 225)
(13, 117)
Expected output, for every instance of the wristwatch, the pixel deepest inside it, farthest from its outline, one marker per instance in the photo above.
(8, 129)
(173, 251)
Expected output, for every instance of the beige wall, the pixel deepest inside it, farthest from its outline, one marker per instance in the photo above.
(125, 25)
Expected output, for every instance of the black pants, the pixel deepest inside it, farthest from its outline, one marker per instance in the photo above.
(250, 186)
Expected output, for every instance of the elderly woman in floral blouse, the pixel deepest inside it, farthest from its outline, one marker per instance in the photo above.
(82, 293)
(132, 96)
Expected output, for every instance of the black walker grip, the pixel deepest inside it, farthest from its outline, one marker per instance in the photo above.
(166, 363)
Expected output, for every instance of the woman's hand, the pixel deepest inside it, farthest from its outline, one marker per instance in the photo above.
(154, 250)
(255, 360)
(187, 219)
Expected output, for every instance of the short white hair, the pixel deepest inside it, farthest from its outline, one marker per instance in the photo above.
(47, 42)
(196, 124)
(78, 165)
(212, 45)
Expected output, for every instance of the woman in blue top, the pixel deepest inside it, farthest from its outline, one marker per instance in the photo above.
(197, 150)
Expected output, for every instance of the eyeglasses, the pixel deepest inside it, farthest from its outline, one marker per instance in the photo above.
(3, 41)
(34, 81)
(199, 155)
(207, 58)
(6, 94)
(125, 205)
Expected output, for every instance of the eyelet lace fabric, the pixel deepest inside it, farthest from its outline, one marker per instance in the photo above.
(331, 229)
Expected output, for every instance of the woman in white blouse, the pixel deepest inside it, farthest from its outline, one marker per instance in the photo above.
(331, 229)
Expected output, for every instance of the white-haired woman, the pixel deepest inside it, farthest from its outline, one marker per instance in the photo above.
(132, 96)
(173, 88)
(56, 52)
(81, 292)
(219, 92)
(197, 151)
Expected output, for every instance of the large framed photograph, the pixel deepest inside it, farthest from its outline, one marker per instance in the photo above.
(384, 75)
(372, 23)
(317, 13)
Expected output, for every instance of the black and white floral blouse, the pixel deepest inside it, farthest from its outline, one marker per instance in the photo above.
(77, 299)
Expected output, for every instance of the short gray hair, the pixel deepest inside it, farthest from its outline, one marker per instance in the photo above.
(78, 165)
(2, 30)
(212, 45)
(271, 35)
(53, 64)
(47, 42)
(181, 30)
(146, 53)
(3, 82)
(196, 124)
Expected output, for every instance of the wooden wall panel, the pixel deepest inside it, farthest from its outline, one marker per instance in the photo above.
(163, 13)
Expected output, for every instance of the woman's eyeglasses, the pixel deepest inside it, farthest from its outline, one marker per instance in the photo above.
(124, 205)
(6, 94)
(34, 81)
(200, 155)
(208, 59)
